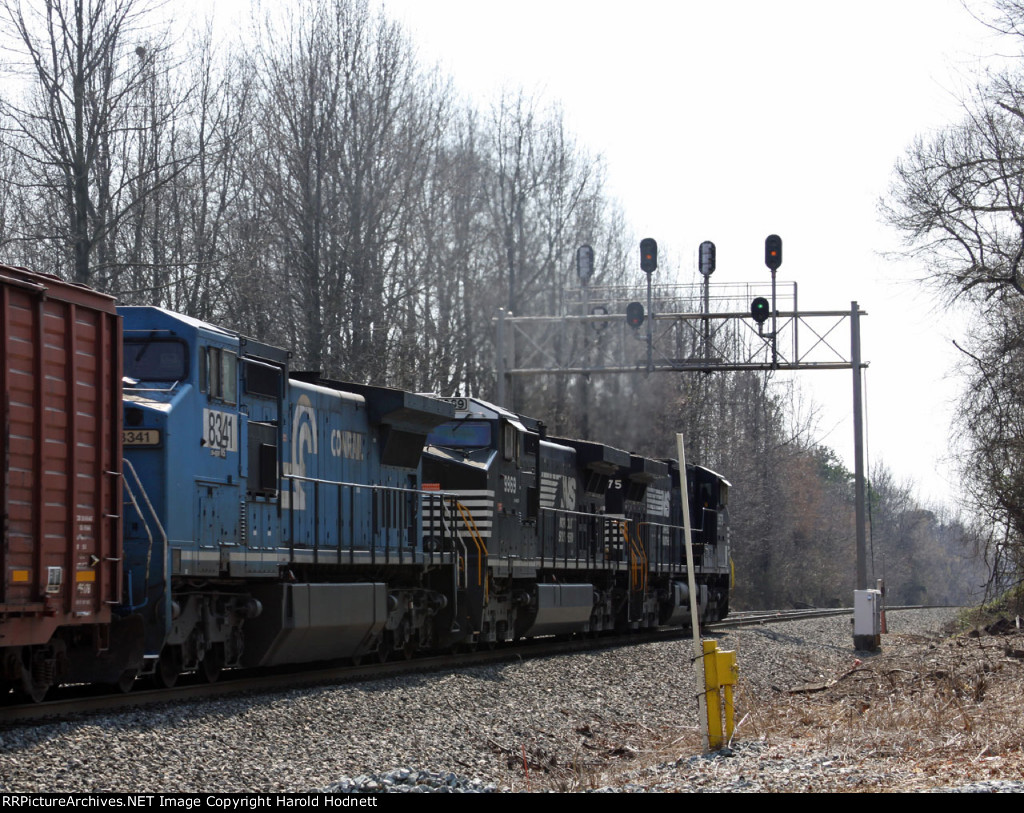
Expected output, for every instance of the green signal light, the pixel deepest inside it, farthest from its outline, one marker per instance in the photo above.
(760, 310)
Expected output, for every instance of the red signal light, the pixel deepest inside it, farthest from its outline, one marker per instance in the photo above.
(634, 314)
(648, 255)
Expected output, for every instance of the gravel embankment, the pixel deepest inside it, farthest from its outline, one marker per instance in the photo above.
(585, 721)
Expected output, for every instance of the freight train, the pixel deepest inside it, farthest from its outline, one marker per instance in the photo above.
(178, 500)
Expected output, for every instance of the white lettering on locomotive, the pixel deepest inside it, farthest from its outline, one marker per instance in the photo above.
(348, 444)
(557, 491)
(657, 502)
(568, 492)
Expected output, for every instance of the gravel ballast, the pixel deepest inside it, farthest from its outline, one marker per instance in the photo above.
(623, 719)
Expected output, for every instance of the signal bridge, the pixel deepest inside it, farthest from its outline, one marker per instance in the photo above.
(692, 328)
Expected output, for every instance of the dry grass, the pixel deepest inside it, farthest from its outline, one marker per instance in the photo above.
(923, 713)
(950, 711)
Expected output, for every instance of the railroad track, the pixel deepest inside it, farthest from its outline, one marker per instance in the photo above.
(73, 701)
(753, 617)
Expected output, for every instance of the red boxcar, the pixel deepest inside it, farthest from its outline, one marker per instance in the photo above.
(60, 441)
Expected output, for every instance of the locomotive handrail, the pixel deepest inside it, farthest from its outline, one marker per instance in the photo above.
(587, 514)
(474, 533)
(693, 528)
(638, 563)
(369, 487)
(431, 499)
(673, 540)
(608, 521)
(435, 497)
(457, 571)
(128, 467)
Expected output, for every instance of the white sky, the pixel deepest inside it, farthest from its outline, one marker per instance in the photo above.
(730, 121)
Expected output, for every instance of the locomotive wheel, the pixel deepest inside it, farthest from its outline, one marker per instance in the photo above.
(29, 690)
(213, 664)
(126, 682)
(168, 667)
(386, 647)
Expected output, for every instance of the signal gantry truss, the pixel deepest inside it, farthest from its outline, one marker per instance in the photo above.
(594, 336)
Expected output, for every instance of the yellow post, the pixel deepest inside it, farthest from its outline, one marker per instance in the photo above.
(720, 673)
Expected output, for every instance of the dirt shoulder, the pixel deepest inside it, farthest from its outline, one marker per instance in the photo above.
(928, 712)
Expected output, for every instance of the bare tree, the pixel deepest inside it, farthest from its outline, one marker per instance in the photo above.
(349, 128)
(87, 65)
(11, 204)
(958, 199)
(545, 197)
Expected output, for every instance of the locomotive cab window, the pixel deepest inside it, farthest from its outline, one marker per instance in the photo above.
(218, 374)
(262, 379)
(461, 435)
(510, 442)
(155, 359)
(597, 483)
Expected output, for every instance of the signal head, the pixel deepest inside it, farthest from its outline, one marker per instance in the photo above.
(773, 251)
(648, 255)
(634, 314)
(706, 258)
(760, 310)
(585, 263)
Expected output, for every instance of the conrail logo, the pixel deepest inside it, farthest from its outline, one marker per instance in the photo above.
(304, 434)
(348, 444)
(344, 443)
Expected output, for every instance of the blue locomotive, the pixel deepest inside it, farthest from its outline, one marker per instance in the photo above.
(271, 519)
